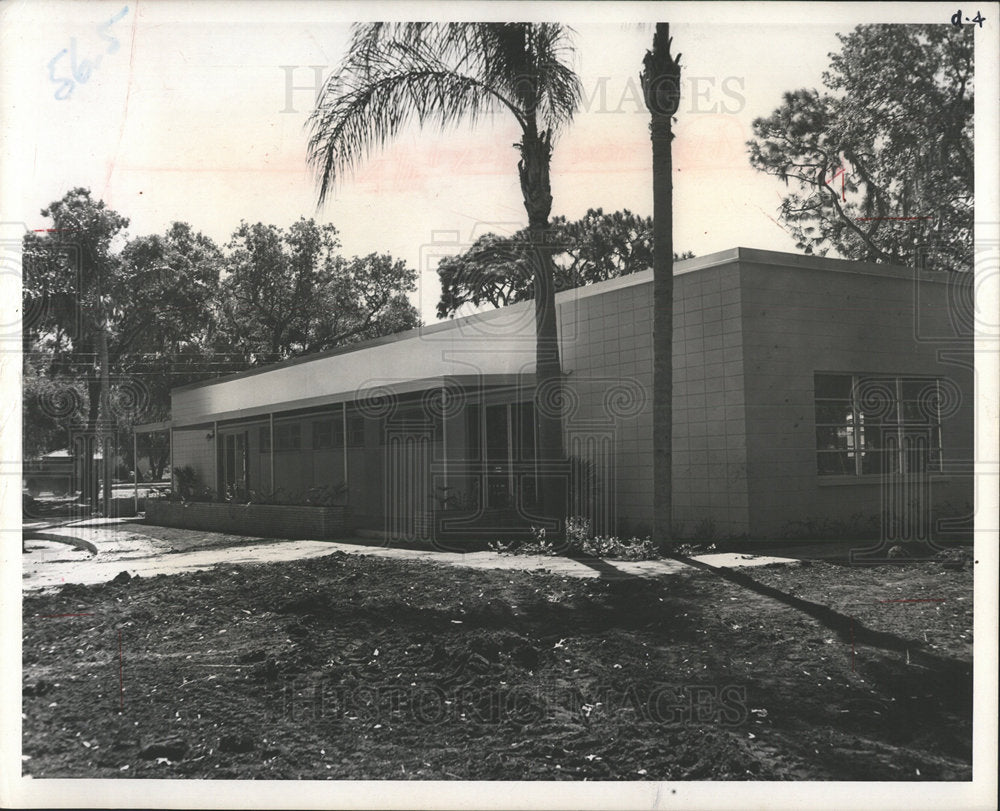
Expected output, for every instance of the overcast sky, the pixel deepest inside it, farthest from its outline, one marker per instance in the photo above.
(191, 119)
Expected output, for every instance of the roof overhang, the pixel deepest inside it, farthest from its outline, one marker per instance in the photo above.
(151, 427)
(467, 383)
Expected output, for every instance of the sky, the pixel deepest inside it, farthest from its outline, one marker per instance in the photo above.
(197, 112)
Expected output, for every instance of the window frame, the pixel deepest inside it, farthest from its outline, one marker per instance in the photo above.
(894, 426)
(336, 430)
(290, 429)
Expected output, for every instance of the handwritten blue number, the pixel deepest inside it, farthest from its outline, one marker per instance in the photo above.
(113, 44)
(81, 72)
(66, 86)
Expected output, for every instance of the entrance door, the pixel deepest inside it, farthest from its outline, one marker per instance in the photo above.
(508, 435)
(499, 487)
(409, 441)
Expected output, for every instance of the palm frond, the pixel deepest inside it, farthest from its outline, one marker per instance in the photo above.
(367, 112)
(438, 73)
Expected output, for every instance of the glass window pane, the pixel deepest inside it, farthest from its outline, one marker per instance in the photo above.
(834, 463)
(836, 412)
(876, 399)
(918, 388)
(288, 437)
(917, 447)
(877, 463)
(831, 439)
(524, 421)
(472, 435)
(833, 386)
(496, 435)
(356, 430)
(920, 411)
(322, 433)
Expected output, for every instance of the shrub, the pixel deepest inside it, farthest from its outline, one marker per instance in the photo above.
(615, 548)
(577, 529)
(190, 486)
(326, 495)
(538, 545)
(578, 541)
(705, 530)
(687, 550)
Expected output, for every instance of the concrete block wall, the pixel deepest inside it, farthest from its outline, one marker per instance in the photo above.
(803, 315)
(612, 348)
(608, 358)
(709, 436)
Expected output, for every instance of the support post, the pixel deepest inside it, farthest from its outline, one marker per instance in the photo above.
(135, 468)
(270, 422)
(343, 425)
(215, 457)
(444, 433)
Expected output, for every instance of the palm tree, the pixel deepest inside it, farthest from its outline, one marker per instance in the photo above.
(441, 74)
(661, 88)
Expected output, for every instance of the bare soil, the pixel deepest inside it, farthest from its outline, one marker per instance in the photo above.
(352, 667)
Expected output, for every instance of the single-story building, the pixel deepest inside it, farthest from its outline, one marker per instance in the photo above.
(806, 390)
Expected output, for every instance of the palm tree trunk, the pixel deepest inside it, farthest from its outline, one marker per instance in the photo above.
(536, 189)
(660, 77)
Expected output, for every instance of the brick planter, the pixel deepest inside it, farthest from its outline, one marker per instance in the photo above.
(123, 507)
(258, 520)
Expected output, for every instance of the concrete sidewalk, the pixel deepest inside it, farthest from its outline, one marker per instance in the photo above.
(47, 564)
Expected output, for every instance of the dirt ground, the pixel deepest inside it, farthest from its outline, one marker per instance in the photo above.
(353, 667)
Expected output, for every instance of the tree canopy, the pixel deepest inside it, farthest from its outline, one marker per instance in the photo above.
(881, 163)
(496, 270)
(289, 292)
(114, 323)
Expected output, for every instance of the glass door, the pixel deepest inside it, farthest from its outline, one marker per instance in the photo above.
(498, 452)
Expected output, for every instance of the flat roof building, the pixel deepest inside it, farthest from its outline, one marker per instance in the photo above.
(808, 392)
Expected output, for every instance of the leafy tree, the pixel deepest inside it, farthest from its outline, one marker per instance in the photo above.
(49, 406)
(497, 270)
(71, 276)
(290, 293)
(882, 163)
(442, 74)
(175, 277)
(108, 311)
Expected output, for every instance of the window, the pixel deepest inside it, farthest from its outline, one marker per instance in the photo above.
(501, 437)
(288, 437)
(876, 424)
(264, 436)
(327, 434)
(356, 431)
